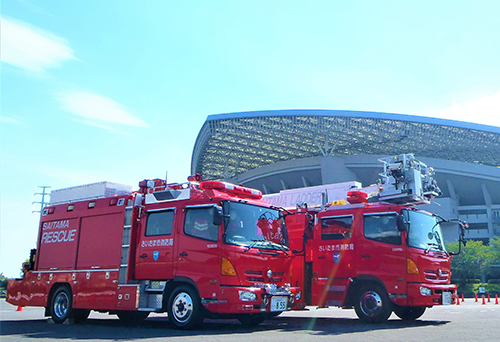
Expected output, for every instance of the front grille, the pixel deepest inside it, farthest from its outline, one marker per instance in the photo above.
(434, 275)
(257, 276)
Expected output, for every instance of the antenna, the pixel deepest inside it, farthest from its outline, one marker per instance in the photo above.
(42, 202)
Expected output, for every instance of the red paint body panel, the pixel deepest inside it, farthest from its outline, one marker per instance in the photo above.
(106, 255)
(330, 263)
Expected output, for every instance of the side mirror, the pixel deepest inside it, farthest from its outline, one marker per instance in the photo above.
(402, 224)
(217, 216)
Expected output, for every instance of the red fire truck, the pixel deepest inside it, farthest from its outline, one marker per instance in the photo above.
(379, 256)
(203, 248)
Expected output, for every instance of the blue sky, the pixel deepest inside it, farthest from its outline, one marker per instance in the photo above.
(117, 90)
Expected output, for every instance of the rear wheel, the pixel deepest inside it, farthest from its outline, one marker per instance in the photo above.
(372, 304)
(132, 317)
(409, 313)
(61, 305)
(184, 308)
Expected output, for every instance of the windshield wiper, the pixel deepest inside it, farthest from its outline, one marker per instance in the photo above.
(431, 244)
(252, 245)
(276, 245)
(266, 243)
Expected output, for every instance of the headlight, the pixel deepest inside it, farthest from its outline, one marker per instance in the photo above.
(247, 296)
(425, 291)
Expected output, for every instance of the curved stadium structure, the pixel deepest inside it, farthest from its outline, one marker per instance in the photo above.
(284, 149)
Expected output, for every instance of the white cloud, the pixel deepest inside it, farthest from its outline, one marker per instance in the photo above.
(485, 110)
(10, 120)
(31, 48)
(96, 109)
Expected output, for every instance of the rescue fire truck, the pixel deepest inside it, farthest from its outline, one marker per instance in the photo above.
(371, 249)
(202, 248)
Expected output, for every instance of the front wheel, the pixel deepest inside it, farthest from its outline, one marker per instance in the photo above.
(61, 305)
(409, 313)
(184, 308)
(372, 304)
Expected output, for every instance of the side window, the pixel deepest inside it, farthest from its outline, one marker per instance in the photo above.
(199, 223)
(160, 223)
(382, 228)
(336, 228)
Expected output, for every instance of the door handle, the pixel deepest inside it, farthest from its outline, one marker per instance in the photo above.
(144, 256)
(183, 254)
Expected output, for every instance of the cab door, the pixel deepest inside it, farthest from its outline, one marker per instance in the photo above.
(198, 249)
(381, 251)
(155, 250)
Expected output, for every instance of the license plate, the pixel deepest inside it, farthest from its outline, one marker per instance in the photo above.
(446, 298)
(278, 303)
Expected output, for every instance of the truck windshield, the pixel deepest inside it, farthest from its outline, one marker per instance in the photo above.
(424, 231)
(254, 226)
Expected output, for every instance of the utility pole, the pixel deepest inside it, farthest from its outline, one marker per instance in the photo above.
(42, 202)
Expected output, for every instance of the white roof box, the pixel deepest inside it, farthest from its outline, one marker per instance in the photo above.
(88, 191)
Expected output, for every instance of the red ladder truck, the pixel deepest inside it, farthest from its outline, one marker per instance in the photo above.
(371, 249)
(203, 248)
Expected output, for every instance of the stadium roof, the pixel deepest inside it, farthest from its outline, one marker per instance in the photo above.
(231, 144)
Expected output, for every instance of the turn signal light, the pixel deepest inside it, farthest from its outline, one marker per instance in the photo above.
(227, 268)
(411, 267)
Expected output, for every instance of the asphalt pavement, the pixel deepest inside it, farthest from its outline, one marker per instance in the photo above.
(469, 321)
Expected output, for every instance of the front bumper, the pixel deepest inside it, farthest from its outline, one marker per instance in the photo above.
(251, 300)
(431, 294)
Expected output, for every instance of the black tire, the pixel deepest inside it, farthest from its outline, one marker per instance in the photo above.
(184, 308)
(61, 305)
(251, 320)
(409, 313)
(372, 304)
(132, 317)
(80, 315)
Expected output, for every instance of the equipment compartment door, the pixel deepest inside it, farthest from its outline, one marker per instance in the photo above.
(198, 250)
(333, 255)
(154, 257)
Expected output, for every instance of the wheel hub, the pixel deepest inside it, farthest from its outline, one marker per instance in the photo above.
(182, 307)
(371, 303)
(61, 305)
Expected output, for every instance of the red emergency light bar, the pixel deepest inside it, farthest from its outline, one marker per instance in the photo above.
(236, 190)
(357, 196)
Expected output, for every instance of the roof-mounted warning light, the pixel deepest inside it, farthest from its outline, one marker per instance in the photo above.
(194, 178)
(356, 196)
(236, 190)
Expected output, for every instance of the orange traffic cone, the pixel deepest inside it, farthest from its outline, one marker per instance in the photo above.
(475, 294)
(484, 301)
(496, 299)
(462, 297)
(489, 301)
(458, 300)
(20, 308)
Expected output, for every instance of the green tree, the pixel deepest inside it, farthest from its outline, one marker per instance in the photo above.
(492, 263)
(3, 281)
(471, 263)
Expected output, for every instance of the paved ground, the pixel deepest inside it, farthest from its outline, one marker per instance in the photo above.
(469, 321)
